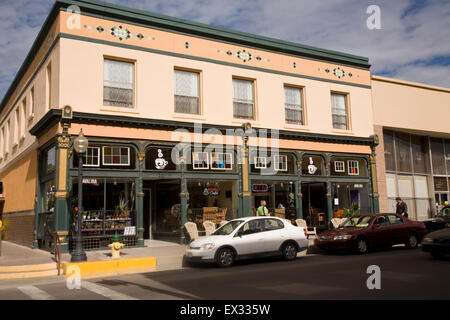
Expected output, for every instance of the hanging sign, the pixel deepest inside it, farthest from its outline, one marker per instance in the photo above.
(213, 191)
(129, 231)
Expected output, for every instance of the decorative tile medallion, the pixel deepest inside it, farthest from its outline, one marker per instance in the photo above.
(338, 72)
(120, 33)
(244, 55)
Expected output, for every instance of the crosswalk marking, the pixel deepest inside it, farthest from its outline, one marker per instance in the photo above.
(106, 292)
(35, 293)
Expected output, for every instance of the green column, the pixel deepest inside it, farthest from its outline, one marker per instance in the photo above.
(37, 203)
(140, 203)
(62, 208)
(374, 184)
(329, 200)
(184, 196)
(298, 188)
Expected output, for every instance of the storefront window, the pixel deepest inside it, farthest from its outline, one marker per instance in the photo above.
(388, 137)
(403, 152)
(348, 167)
(211, 200)
(437, 155)
(349, 198)
(107, 157)
(447, 155)
(278, 195)
(418, 145)
(50, 160)
(49, 205)
(108, 206)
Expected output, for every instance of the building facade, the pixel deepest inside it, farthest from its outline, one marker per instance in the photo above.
(183, 119)
(413, 157)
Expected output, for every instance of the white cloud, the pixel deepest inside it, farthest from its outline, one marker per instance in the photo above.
(400, 49)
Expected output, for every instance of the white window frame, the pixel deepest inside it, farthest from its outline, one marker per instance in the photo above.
(99, 157)
(179, 95)
(115, 164)
(336, 169)
(207, 160)
(276, 159)
(349, 166)
(253, 101)
(222, 153)
(257, 162)
(133, 95)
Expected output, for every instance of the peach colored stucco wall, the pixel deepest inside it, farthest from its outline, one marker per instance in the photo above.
(411, 106)
(40, 106)
(82, 88)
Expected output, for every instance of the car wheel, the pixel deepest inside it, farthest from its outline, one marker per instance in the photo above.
(437, 254)
(361, 246)
(289, 251)
(412, 241)
(225, 258)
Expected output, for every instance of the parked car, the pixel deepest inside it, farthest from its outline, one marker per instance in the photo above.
(442, 220)
(249, 237)
(437, 243)
(362, 232)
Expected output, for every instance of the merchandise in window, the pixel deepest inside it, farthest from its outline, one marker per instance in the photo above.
(353, 167)
(221, 161)
(200, 160)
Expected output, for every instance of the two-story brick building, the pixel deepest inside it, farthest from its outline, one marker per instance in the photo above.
(272, 120)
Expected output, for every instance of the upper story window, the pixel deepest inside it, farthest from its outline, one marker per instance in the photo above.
(118, 83)
(187, 92)
(17, 126)
(353, 167)
(293, 105)
(339, 111)
(32, 99)
(48, 91)
(243, 99)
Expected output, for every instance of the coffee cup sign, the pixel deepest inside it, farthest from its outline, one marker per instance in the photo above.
(160, 162)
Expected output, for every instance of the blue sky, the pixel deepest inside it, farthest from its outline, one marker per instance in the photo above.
(413, 43)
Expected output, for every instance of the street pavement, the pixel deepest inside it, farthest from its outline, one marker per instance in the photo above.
(405, 274)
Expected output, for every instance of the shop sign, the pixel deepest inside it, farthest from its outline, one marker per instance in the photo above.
(311, 167)
(160, 162)
(260, 187)
(90, 181)
(129, 231)
(211, 191)
(358, 186)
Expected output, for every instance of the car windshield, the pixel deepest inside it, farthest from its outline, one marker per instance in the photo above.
(228, 228)
(359, 222)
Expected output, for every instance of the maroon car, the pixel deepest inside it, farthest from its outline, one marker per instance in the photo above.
(372, 231)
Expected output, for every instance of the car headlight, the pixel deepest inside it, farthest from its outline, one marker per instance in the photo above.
(427, 240)
(343, 237)
(208, 246)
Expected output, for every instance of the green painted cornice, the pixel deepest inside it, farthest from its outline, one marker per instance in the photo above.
(53, 116)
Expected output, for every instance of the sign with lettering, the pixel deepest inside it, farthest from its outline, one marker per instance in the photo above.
(260, 187)
(129, 231)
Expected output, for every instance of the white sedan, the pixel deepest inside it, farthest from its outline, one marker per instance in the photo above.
(249, 237)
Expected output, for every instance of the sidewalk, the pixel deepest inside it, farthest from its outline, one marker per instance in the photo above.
(169, 256)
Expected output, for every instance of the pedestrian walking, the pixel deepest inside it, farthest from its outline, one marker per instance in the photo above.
(402, 208)
(262, 209)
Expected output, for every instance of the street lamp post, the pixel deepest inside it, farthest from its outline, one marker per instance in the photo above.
(80, 145)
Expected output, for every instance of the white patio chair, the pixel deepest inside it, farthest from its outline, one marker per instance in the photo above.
(191, 229)
(302, 223)
(209, 226)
